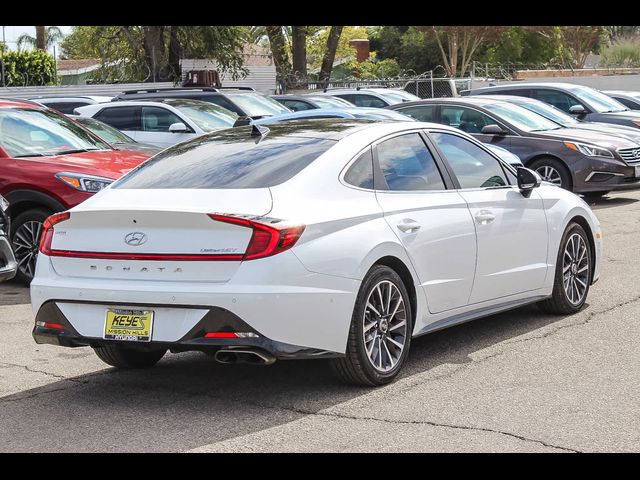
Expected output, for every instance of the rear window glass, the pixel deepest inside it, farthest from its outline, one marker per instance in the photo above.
(227, 161)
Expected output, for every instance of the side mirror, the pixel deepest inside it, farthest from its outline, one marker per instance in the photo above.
(242, 121)
(577, 110)
(527, 181)
(178, 127)
(493, 129)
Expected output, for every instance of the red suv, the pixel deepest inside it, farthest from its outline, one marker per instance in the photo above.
(48, 164)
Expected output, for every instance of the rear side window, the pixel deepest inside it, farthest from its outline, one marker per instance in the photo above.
(122, 118)
(407, 164)
(360, 174)
(227, 161)
(627, 103)
(157, 119)
(65, 107)
(362, 100)
(422, 113)
(558, 99)
(297, 105)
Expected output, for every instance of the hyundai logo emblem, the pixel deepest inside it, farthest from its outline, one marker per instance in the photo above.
(636, 153)
(135, 239)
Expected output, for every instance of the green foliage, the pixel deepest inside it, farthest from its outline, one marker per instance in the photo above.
(26, 68)
(317, 43)
(522, 45)
(373, 70)
(122, 49)
(411, 48)
(624, 52)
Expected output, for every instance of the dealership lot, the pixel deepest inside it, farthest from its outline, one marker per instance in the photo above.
(518, 381)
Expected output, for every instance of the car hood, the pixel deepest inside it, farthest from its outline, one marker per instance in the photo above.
(104, 163)
(610, 129)
(592, 137)
(631, 115)
(139, 147)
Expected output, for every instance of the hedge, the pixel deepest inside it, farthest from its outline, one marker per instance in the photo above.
(24, 68)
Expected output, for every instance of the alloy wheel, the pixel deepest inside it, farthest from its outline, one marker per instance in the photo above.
(575, 269)
(26, 242)
(549, 174)
(384, 326)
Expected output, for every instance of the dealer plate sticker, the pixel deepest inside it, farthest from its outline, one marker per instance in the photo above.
(128, 325)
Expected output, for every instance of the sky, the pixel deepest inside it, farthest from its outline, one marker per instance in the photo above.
(13, 32)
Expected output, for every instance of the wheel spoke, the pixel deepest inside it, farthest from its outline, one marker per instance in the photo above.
(369, 305)
(398, 325)
(397, 344)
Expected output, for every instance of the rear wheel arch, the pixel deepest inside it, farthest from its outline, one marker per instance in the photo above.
(403, 271)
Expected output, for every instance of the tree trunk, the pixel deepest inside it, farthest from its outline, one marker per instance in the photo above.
(329, 55)
(41, 38)
(279, 52)
(299, 48)
(154, 51)
(174, 54)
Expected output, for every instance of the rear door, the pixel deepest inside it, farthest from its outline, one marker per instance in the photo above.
(431, 220)
(125, 118)
(511, 229)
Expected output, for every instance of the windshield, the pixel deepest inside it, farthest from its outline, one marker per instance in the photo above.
(548, 111)
(521, 118)
(600, 102)
(258, 105)
(207, 116)
(30, 132)
(330, 102)
(104, 131)
(392, 97)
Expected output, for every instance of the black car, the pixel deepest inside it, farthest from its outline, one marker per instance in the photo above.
(629, 99)
(585, 102)
(244, 101)
(583, 161)
(8, 265)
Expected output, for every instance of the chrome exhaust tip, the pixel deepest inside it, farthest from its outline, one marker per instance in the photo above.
(244, 355)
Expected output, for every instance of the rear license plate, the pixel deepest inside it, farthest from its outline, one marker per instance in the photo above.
(128, 325)
(637, 171)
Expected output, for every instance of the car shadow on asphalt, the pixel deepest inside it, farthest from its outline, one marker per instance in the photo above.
(608, 202)
(13, 293)
(189, 400)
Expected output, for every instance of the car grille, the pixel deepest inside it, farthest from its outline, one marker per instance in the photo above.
(630, 155)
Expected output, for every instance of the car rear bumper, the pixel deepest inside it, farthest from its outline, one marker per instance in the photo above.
(8, 265)
(291, 310)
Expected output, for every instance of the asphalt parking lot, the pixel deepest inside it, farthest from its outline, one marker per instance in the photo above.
(518, 381)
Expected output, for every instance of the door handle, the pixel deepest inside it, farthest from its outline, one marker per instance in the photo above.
(484, 217)
(408, 226)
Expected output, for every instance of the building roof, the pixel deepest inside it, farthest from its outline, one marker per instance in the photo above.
(76, 66)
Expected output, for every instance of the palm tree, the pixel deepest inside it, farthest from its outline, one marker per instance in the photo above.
(45, 37)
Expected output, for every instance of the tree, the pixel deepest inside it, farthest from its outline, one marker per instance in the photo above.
(330, 54)
(317, 43)
(45, 37)
(299, 50)
(413, 49)
(457, 45)
(143, 53)
(581, 41)
(279, 51)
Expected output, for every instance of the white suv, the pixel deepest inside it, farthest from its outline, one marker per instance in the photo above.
(163, 123)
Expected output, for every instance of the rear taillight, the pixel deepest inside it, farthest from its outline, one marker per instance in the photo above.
(267, 239)
(47, 230)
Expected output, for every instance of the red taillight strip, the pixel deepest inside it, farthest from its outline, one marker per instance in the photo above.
(56, 326)
(221, 335)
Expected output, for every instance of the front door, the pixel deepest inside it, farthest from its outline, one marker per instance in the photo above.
(511, 229)
(432, 222)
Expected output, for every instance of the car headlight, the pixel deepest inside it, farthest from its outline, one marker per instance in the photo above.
(589, 150)
(84, 182)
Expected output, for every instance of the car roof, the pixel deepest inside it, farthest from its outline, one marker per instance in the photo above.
(522, 86)
(480, 100)
(510, 98)
(621, 92)
(19, 103)
(95, 98)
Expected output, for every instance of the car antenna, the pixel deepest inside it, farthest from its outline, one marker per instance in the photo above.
(259, 131)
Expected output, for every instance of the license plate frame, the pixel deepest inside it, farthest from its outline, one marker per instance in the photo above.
(132, 324)
(637, 171)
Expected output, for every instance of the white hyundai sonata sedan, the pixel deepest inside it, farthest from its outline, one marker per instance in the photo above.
(338, 239)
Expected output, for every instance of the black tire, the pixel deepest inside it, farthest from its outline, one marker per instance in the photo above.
(559, 303)
(566, 180)
(356, 367)
(26, 268)
(126, 357)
